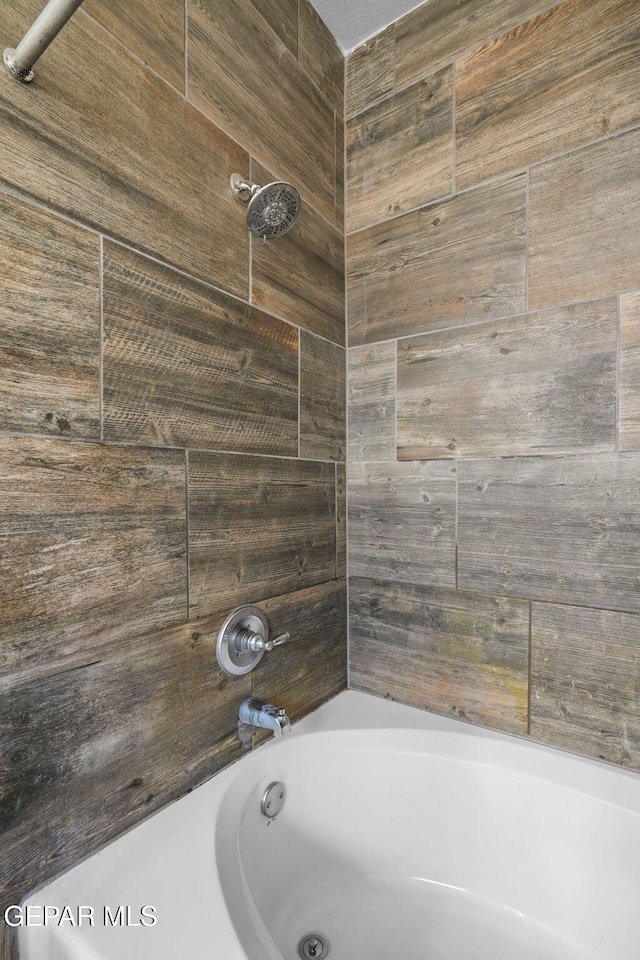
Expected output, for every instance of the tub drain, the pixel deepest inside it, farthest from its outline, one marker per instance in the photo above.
(313, 946)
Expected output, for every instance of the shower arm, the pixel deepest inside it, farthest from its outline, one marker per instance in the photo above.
(243, 189)
(20, 61)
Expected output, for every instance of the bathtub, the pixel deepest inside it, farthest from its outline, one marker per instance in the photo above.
(402, 835)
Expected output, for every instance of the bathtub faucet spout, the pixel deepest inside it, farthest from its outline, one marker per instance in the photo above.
(257, 713)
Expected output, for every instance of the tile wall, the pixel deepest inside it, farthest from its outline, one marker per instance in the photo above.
(172, 416)
(493, 263)
(172, 394)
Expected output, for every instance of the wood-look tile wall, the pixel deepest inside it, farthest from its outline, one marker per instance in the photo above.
(493, 264)
(172, 406)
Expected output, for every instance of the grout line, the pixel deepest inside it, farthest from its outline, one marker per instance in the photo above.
(250, 243)
(344, 257)
(346, 569)
(143, 63)
(503, 177)
(453, 125)
(498, 595)
(344, 157)
(618, 359)
(456, 519)
(31, 201)
(348, 625)
(12, 191)
(578, 606)
(394, 91)
(51, 211)
(478, 323)
(246, 149)
(346, 405)
(530, 674)
(604, 454)
(101, 331)
(356, 462)
(145, 445)
(395, 403)
(346, 397)
(210, 286)
(186, 49)
(135, 56)
(335, 507)
(239, 453)
(526, 244)
(188, 531)
(437, 201)
(335, 166)
(441, 66)
(299, 393)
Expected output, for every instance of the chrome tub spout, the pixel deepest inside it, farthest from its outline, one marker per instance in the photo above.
(257, 713)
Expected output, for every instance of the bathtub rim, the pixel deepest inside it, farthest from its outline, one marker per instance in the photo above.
(372, 727)
(355, 710)
(360, 712)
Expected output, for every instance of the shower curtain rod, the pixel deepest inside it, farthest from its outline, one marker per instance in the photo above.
(46, 28)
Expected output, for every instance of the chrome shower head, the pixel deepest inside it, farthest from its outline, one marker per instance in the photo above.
(272, 209)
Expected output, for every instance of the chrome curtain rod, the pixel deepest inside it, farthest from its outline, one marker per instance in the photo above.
(46, 28)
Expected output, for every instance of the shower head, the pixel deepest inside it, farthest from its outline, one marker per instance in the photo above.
(272, 209)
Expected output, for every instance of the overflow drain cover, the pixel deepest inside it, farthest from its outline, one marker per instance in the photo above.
(273, 799)
(313, 946)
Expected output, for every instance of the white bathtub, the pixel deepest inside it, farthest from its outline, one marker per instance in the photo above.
(403, 835)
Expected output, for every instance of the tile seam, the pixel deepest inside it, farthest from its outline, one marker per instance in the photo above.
(36, 204)
(226, 293)
(502, 177)
(456, 522)
(186, 49)
(618, 370)
(299, 395)
(101, 332)
(138, 445)
(136, 56)
(501, 319)
(188, 531)
(395, 401)
(393, 92)
(530, 670)
(453, 129)
(527, 221)
(437, 201)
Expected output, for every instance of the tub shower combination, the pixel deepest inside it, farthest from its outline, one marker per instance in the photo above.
(374, 831)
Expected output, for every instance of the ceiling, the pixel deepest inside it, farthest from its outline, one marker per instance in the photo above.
(353, 21)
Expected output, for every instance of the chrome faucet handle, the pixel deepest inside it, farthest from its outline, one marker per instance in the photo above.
(278, 641)
(250, 640)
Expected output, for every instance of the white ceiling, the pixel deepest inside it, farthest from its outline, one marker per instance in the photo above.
(353, 21)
